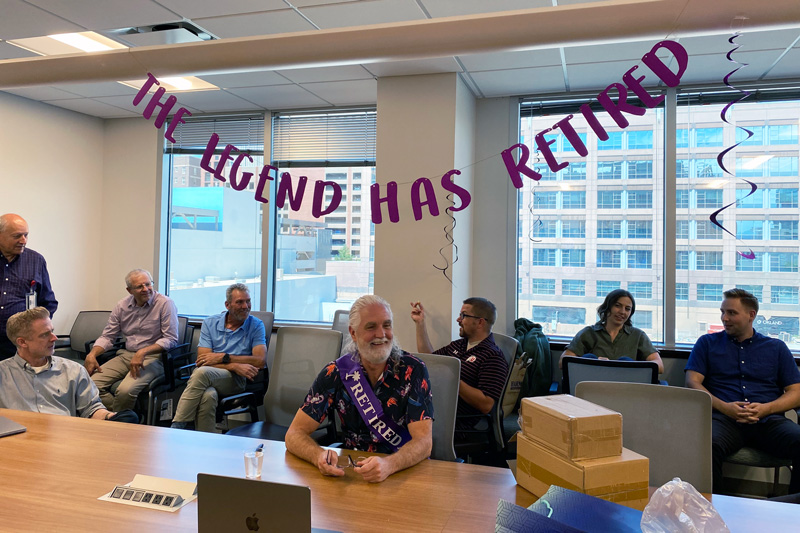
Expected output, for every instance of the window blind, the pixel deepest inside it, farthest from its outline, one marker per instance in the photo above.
(317, 139)
(245, 132)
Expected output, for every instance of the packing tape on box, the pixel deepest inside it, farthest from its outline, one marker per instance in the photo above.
(621, 491)
(593, 435)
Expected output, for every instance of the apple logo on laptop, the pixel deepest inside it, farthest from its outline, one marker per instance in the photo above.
(252, 522)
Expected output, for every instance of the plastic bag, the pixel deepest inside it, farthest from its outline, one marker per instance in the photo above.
(678, 507)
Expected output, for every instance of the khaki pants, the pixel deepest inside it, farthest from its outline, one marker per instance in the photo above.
(118, 369)
(199, 400)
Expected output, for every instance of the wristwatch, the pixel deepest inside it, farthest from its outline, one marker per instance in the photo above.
(226, 359)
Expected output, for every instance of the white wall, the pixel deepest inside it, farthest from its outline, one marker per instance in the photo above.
(52, 175)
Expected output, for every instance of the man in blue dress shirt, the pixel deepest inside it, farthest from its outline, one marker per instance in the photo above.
(753, 380)
(24, 277)
(232, 348)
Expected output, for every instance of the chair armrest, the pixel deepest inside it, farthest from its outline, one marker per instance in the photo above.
(169, 358)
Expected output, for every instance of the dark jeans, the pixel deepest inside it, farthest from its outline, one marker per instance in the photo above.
(777, 436)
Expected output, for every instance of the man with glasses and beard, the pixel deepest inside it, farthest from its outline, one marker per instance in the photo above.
(232, 348)
(381, 394)
(483, 366)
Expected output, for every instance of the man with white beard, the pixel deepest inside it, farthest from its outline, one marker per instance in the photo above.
(381, 394)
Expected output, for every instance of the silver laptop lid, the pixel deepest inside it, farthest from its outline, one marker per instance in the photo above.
(9, 427)
(229, 504)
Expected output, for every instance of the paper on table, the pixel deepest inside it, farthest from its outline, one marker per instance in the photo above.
(186, 489)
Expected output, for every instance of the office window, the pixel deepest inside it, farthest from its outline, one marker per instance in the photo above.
(744, 264)
(603, 287)
(709, 260)
(575, 171)
(609, 170)
(609, 229)
(709, 198)
(681, 291)
(781, 294)
(573, 229)
(783, 198)
(783, 230)
(782, 166)
(573, 287)
(642, 319)
(543, 229)
(750, 230)
(640, 140)
(682, 138)
(614, 141)
(682, 168)
(682, 199)
(640, 199)
(757, 139)
(640, 170)
(609, 199)
(568, 147)
(709, 292)
(783, 134)
(783, 262)
(708, 230)
(641, 289)
(754, 201)
(543, 286)
(572, 257)
(640, 259)
(682, 260)
(574, 199)
(544, 257)
(545, 200)
(609, 258)
(708, 137)
(547, 174)
(755, 290)
(681, 229)
(640, 229)
(706, 168)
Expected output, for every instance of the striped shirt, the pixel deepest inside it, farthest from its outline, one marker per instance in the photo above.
(483, 367)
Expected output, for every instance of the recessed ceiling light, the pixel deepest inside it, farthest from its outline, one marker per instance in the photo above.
(68, 43)
(187, 83)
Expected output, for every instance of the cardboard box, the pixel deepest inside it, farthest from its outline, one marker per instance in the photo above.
(622, 479)
(572, 427)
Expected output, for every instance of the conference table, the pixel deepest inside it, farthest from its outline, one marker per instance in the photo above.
(52, 475)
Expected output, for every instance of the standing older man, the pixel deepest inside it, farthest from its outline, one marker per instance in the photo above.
(35, 380)
(25, 282)
(753, 380)
(149, 322)
(483, 366)
(232, 348)
(382, 395)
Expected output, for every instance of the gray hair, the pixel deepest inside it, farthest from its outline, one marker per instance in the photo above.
(354, 320)
(134, 272)
(235, 287)
(19, 325)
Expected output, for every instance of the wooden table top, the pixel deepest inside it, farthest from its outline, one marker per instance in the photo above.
(52, 475)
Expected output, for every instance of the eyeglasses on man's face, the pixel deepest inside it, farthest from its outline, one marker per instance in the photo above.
(463, 315)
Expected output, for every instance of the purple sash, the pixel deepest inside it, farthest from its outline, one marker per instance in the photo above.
(368, 406)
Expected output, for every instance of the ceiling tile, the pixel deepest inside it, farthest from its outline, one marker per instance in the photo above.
(245, 79)
(748, 41)
(311, 75)
(9, 51)
(413, 67)
(451, 8)
(280, 97)
(632, 51)
(511, 60)
(108, 14)
(91, 107)
(519, 81)
(126, 103)
(192, 9)
(41, 92)
(91, 90)
(209, 101)
(788, 66)
(307, 3)
(266, 23)
(20, 20)
(363, 13)
(598, 76)
(713, 67)
(346, 92)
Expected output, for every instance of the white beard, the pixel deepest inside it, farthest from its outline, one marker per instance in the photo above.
(376, 354)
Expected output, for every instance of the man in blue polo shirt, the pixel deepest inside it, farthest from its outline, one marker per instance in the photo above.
(753, 380)
(232, 348)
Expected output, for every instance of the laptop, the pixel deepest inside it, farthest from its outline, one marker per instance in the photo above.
(9, 427)
(230, 504)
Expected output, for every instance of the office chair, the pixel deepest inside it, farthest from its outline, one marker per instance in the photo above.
(300, 354)
(444, 373)
(669, 425)
(760, 459)
(508, 345)
(577, 369)
(87, 327)
(341, 321)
